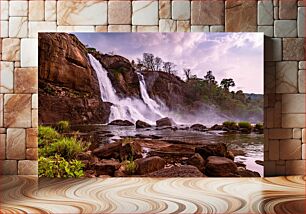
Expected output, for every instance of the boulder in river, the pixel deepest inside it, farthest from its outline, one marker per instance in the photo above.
(197, 161)
(216, 127)
(166, 121)
(111, 150)
(199, 127)
(121, 123)
(178, 171)
(247, 173)
(142, 124)
(212, 149)
(147, 165)
(220, 167)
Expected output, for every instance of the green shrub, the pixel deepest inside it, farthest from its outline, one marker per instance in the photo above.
(130, 167)
(244, 124)
(67, 147)
(63, 126)
(47, 135)
(230, 124)
(57, 167)
(259, 126)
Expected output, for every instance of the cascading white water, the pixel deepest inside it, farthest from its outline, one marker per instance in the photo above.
(131, 109)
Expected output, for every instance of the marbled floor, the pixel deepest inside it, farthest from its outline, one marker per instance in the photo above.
(26, 194)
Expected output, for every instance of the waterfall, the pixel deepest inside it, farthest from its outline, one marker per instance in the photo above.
(128, 108)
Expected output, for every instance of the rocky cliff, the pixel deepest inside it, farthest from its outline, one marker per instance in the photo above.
(68, 86)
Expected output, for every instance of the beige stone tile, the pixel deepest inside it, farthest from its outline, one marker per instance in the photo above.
(75, 28)
(17, 110)
(301, 81)
(26, 80)
(293, 120)
(183, 26)
(280, 170)
(6, 77)
(266, 140)
(147, 28)
(293, 103)
(29, 53)
(207, 12)
(8, 167)
(50, 10)
(101, 28)
(145, 13)
(119, 12)
(287, 9)
(297, 133)
(10, 49)
(1, 110)
(35, 27)
(2, 146)
(293, 49)
(180, 10)
(15, 144)
(239, 16)
(31, 138)
(278, 114)
(164, 9)
(275, 11)
(4, 6)
(35, 118)
(27, 167)
(134, 28)
(91, 12)
(17, 64)
(119, 28)
(36, 10)
(275, 3)
(304, 135)
(277, 134)
(269, 168)
(18, 8)
(167, 25)
(304, 151)
(18, 27)
(286, 77)
(4, 29)
(267, 30)
(31, 154)
(216, 28)
(302, 65)
(290, 149)
(265, 12)
(301, 22)
(270, 118)
(2, 130)
(35, 101)
(273, 49)
(285, 28)
(274, 150)
(269, 78)
(301, 3)
(295, 167)
(199, 28)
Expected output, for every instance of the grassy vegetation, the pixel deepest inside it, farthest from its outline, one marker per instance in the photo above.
(57, 153)
(244, 124)
(63, 126)
(259, 126)
(230, 124)
(130, 167)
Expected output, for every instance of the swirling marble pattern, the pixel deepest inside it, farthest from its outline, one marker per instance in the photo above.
(26, 194)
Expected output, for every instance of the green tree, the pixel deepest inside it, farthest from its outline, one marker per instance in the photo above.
(226, 83)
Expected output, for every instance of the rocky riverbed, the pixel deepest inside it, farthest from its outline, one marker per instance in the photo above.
(166, 150)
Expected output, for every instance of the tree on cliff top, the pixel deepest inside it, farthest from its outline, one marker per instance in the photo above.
(226, 83)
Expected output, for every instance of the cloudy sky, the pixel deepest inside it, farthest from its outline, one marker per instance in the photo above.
(227, 55)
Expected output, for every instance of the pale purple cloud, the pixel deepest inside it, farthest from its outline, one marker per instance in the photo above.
(228, 55)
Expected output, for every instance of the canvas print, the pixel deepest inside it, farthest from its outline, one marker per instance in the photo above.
(151, 105)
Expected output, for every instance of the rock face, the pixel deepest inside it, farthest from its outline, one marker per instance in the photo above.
(212, 149)
(151, 164)
(178, 171)
(68, 86)
(165, 122)
(197, 161)
(121, 123)
(220, 167)
(142, 124)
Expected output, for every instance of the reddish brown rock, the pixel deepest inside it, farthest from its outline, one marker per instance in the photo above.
(111, 150)
(207, 12)
(220, 167)
(147, 165)
(165, 122)
(142, 124)
(177, 171)
(32, 138)
(247, 173)
(293, 49)
(212, 149)
(31, 154)
(287, 9)
(241, 16)
(106, 167)
(197, 161)
(26, 80)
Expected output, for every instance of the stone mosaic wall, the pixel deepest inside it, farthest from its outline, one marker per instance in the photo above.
(282, 21)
